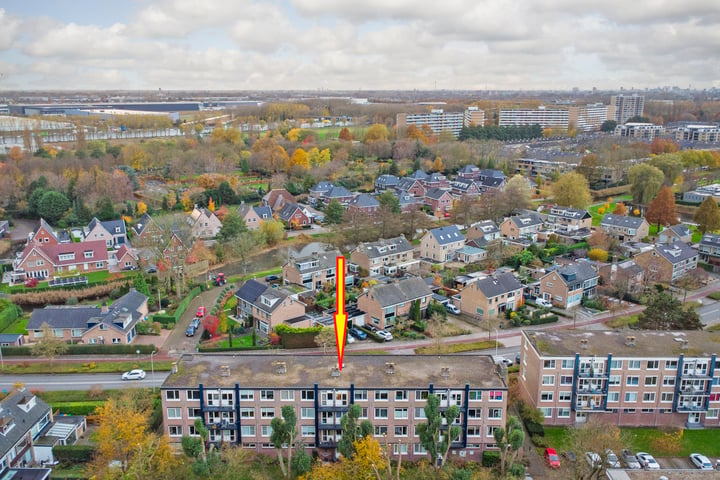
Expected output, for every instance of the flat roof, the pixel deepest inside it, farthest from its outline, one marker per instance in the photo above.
(364, 371)
(648, 343)
(670, 474)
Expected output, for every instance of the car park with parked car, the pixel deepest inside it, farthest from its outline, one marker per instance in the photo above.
(551, 457)
(452, 309)
(647, 461)
(357, 333)
(630, 460)
(541, 302)
(385, 335)
(701, 461)
(190, 332)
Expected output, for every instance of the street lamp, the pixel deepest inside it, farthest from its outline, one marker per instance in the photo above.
(137, 352)
(152, 368)
(496, 342)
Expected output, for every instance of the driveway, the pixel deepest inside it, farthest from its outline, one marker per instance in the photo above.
(177, 343)
(709, 312)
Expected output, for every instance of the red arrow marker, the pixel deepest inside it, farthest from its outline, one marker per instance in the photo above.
(340, 317)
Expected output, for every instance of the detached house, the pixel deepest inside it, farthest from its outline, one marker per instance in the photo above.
(667, 263)
(125, 258)
(113, 232)
(147, 231)
(469, 172)
(294, 216)
(624, 228)
(491, 180)
(384, 257)
(383, 304)
(440, 244)
(566, 285)
(386, 182)
(525, 226)
(276, 198)
(203, 223)
(317, 192)
(339, 193)
(23, 416)
(313, 270)
(44, 234)
(268, 307)
(710, 250)
(440, 201)
(253, 216)
(675, 233)
(566, 218)
(364, 203)
(413, 186)
(408, 202)
(48, 260)
(463, 187)
(627, 275)
(491, 296)
(483, 232)
(92, 325)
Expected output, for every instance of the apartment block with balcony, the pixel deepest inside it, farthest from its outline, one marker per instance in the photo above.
(698, 133)
(642, 378)
(644, 131)
(545, 117)
(237, 398)
(627, 106)
(387, 256)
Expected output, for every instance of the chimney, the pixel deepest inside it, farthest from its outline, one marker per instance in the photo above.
(335, 372)
(630, 341)
(224, 370)
(584, 343)
(280, 368)
(104, 308)
(445, 372)
(389, 368)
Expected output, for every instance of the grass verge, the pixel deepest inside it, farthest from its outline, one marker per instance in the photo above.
(714, 295)
(626, 321)
(18, 326)
(458, 347)
(92, 367)
(260, 275)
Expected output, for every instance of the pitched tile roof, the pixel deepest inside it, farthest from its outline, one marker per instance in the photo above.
(13, 410)
(497, 285)
(250, 291)
(681, 230)
(338, 192)
(386, 246)
(436, 193)
(322, 187)
(97, 247)
(621, 221)
(446, 235)
(568, 212)
(386, 181)
(404, 290)
(288, 210)
(576, 272)
(418, 175)
(676, 252)
(255, 292)
(323, 260)
(526, 220)
(364, 201)
(710, 240)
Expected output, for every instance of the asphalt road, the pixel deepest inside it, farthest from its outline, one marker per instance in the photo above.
(80, 381)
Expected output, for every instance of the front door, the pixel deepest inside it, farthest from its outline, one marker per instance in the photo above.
(694, 418)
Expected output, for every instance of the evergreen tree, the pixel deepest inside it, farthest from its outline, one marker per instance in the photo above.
(665, 312)
(353, 431)
(334, 212)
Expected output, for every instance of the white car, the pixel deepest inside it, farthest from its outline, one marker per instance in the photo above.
(611, 459)
(500, 360)
(701, 461)
(647, 461)
(593, 459)
(541, 302)
(134, 375)
(387, 336)
(452, 309)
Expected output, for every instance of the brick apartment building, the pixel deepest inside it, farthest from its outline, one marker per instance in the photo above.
(643, 378)
(238, 397)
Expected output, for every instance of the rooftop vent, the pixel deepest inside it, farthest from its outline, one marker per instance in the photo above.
(630, 340)
(584, 343)
(280, 368)
(390, 368)
(445, 372)
(685, 344)
(224, 370)
(335, 372)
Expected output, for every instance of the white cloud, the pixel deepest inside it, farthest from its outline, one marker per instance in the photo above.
(9, 30)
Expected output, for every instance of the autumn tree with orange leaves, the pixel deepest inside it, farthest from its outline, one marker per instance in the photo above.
(662, 210)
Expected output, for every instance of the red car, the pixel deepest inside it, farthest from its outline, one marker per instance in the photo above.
(552, 458)
(201, 312)
(31, 283)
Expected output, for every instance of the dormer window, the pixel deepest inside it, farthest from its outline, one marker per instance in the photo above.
(117, 229)
(88, 253)
(6, 424)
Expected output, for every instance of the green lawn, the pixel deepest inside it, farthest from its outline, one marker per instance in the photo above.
(18, 326)
(261, 274)
(93, 367)
(597, 216)
(643, 440)
(460, 347)
(243, 341)
(622, 322)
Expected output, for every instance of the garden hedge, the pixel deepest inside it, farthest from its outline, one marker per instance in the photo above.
(77, 408)
(87, 350)
(490, 458)
(74, 453)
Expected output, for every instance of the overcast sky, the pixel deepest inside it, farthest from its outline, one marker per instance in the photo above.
(350, 45)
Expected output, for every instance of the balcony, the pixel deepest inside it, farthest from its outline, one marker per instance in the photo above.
(598, 389)
(224, 425)
(333, 408)
(695, 373)
(592, 405)
(683, 408)
(330, 426)
(591, 373)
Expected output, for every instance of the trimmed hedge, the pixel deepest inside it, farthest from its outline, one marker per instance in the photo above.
(490, 458)
(87, 350)
(544, 320)
(77, 408)
(372, 335)
(235, 349)
(535, 429)
(8, 315)
(166, 319)
(291, 337)
(74, 453)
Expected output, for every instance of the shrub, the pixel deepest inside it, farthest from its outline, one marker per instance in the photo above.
(534, 429)
(8, 314)
(74, 453)
(539, 441)
(490, 458)
(517, 470)
(116, 293)
(77, 408)
(86, 350)
(72, 301)
(598, 254)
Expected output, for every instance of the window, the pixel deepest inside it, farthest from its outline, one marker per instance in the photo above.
(267, 412)
(490, 430)
(381, 413)
(193, 412)
(634, 364)
(563, 413)
(98, 264)
(668, 381)
(712, 413)
(247, 395)
(547, 412)
(421, 394)
(494, 413)
(632, 381)
(360, 395)
(419, 449)
(653, 364)
(546, 397)
(649, 397)
(564, 396)
(265, 430)
(548, 380)
(193, 394)
(307, 395)
(247, 412)
(566, 379)
(631, 397)
(364, 412)
(172, 394)
(549, 364)
(475, 413)
(614, 397)
(175, 431)
(474, 431)
(475, 395)
(567, 364)
(76, 332)
(628, 410)
(267, 395)
(287, 395)
(307, 430)
(401, 430)
(650, 381)
(381, 395)
(174, 412)
(419, 412)
(496, 395)
(401, 395)
(666, 397)
(614, 380)
(380, 430)
(401, 413)
(670, 364)
(58, 332)
(400, 448)
(306, 412)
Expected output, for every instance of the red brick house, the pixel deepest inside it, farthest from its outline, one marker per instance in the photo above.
(293, 216)
(440, 201)
(47, 261)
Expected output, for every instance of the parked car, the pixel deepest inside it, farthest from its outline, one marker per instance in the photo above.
(593, 460)
(387, 336)
(219, 280)
(701, 461)
(195, 323)
(452, 309)
(151, 269)
(31, 283)
(500, 360)
(134, 375)
(517, 359)
(630, 460)
(371, 328)
(551, 457)
(611, 460)
(541, 302)
(200, 312)
(272, 278)
(190, 332)
(357, 333)
(647, 461)
(570, 456)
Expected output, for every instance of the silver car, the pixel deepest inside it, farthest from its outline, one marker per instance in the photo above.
(630, 460)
